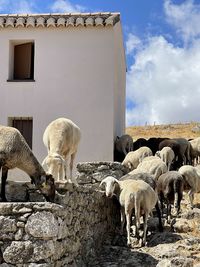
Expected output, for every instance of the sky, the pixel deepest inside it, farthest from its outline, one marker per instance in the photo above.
(162, 45)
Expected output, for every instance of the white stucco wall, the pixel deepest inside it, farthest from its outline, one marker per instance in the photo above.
(75, 77)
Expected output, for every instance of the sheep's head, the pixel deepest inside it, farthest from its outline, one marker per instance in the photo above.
(110, 185)
(54, 164)
(47, 187)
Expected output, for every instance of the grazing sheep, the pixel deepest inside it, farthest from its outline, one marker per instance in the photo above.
(153, 143)
(122, 146)
(133, 158)
(191, 176)
(133, 194)
(167, 155)
(61, 137)
(195, 150)
(176, 147)
(170, 189)
(149, 179)
(185, 147)
(152, 165)
(15, 153)
(139, 143)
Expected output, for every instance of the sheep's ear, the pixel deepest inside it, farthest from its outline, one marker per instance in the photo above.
(102, 183)
(129, 166)
(116, 181)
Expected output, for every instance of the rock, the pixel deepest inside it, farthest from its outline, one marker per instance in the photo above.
(182, 226)
(7, 225)
(42, 225)
(18, 252)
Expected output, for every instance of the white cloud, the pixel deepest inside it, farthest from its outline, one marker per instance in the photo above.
(132, 43)
(164, 83)
(66, 6)
(184, 17)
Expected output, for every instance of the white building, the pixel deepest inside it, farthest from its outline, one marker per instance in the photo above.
(64, 65)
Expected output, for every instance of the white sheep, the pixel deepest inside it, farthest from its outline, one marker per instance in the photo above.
(195, 150)
(61, 137)
(167, 155)
(15, 153)
(133, 194)
(133, 158)
(152, 165)
(191, 176)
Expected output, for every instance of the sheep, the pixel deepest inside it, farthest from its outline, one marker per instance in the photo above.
(122, 146)
(195, 149)
(167, 155)
(191, 176)
(149, 179)
(133, 158)
(61, 138)
(139, 143)
(153, 143)
(15, 153)
(170, 188)
(176, 147)
(132, 194)
(152, 165)
(185, 147)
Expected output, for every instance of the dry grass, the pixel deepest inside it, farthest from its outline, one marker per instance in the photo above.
(166, 130)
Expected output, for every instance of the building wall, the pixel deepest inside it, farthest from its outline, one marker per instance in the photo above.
(74, 77)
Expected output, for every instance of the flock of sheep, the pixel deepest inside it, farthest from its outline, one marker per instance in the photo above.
(159, 171)
(61, 139)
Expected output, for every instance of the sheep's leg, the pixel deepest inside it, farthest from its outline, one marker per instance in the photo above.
(128, 226)
(159, 217)
(122, 212)
(71, 168)
(137, 220)
(3, 183)
(191, 197)
(180, 196)
(145, 217)
(161, 204)
(168, 212)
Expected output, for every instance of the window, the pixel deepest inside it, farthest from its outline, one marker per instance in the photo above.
(21, 60)
(25, 126)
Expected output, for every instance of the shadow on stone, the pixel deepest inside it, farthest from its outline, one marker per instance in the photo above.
(163, 238)
(121, 256)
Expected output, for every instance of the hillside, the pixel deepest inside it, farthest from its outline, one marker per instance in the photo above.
(187, 130)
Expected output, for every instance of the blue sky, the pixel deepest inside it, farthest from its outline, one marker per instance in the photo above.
(162, 44)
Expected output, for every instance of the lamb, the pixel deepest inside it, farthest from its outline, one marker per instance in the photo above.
(61, 138)
(152, 165)
(191, 176)
(149, 179)
(167, 155)
(122, 146)
(133, 158)
(132, 194)
(170, 188)
(15, 153)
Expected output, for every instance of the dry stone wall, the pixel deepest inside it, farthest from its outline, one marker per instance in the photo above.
(66, 233)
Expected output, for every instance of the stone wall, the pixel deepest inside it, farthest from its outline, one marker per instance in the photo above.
(95, 172)
(45, 234)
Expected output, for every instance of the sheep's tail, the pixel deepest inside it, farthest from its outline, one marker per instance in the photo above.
(177, 185)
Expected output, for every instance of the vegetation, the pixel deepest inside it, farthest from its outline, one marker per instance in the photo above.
(185, 130)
